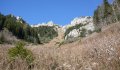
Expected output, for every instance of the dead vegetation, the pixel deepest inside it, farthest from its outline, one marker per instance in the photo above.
(7, 37)
(100, 51)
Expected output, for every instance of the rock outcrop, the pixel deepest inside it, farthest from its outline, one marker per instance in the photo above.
(81, 26)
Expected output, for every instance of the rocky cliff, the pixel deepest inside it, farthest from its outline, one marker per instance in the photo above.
(79, 27)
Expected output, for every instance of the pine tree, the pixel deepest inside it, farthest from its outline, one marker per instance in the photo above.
(95, 17)
(107, 8)
(118, 1)
(2, 19)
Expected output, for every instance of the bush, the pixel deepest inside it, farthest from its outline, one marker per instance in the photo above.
(46, 33)
(7, 37)
(61, 43)
(90, 32)
(83, 33)
(69, 40)
(20, 51)
(98, 30)
(2, 39)
(44, 39)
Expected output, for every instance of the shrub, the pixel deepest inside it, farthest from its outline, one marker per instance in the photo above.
(69, 40)
(2, 39)
(46, 33)
(20, 51)
(7, 37)
(98, 30)
(61, 43)
(90, 32)
(44, 39)
(83, 33)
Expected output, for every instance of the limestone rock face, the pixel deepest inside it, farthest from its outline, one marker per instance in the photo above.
(86, 28)
(86, 22)
(50, 23)
(73, 33)
(79, 20)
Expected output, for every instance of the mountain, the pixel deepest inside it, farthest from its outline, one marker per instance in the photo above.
(78, 20)
(22, 30)
(78, 27)
(97, 51)
(50, 23)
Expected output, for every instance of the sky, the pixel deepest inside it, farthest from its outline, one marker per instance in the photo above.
(61, 12)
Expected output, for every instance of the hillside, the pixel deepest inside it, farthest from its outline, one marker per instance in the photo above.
(79, 27)
(44, 32)
(87, 43)
(23, 31)
(107, 13)
(99, 51)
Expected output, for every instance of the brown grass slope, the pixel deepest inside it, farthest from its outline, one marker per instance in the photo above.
(99, 51)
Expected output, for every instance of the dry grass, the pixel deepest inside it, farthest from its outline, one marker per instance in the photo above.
(7, 37)
(100, 51)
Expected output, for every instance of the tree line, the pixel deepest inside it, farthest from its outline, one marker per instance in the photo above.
(107, 13)
(24, 31)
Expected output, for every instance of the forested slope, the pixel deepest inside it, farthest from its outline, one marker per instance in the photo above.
(22, 30)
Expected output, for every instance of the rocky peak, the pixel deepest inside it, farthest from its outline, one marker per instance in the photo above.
(79, 26)
(80, 20)
(82, 23)
(18, 17)
(50, 23)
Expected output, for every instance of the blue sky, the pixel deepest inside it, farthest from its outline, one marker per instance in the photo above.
(59, 11)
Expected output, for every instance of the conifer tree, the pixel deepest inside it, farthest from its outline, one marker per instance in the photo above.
(107, 8)
(95, 17)
(2, 19)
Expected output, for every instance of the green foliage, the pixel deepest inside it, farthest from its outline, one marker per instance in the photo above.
(98, 30)
(6, 37)
(2, 39)
(61, 43)
(46, 33)
(73, 27)
(96, 16)
(19, 28)
(83, 33)
(107, 9)
(20, 51)
(69, 40)
(105, 14)
(118, 1)
(22, 30)
(2, 19)
(90, 32)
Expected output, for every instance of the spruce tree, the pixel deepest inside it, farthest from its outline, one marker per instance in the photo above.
(107, 8)
(95, 17)
(118, 1)
(2, 19)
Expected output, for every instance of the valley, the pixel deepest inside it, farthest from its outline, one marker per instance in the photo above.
(86, 43)
(98, 51)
